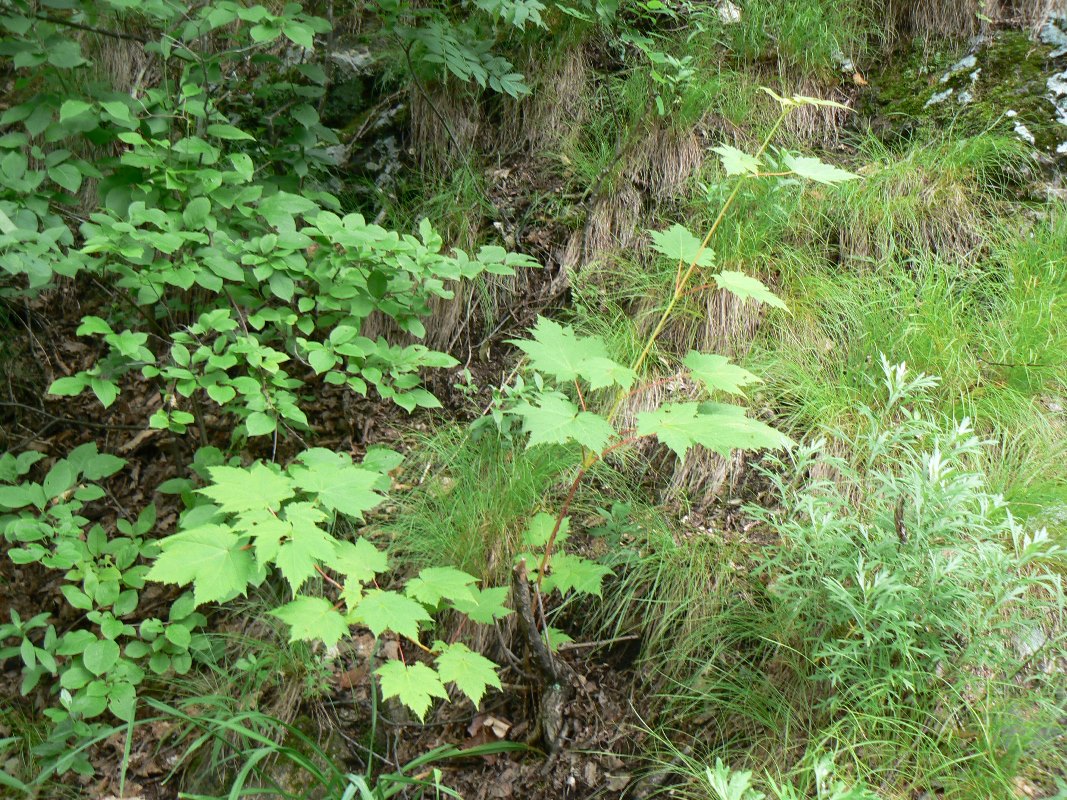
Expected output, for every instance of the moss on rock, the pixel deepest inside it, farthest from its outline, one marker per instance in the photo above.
(1000, 86)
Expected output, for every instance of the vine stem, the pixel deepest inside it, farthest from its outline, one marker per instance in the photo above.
(680, 284)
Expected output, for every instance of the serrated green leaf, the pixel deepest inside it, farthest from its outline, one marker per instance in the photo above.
(210, 557)
(737, 162)
(308, 546)
(359, 561)
(487, 606)
(572, 572)
(604, 372)
(471, 672)
(539, 530)
(557, 421)
(745, 286)
(340, 487)
(414, 685)
(312, 619)
(237, 489)
(558, 351)
(554, 637)
(819, 171)
(716, 372)
(678, 244)
(718, 427)
(435, 583)
(390, 611)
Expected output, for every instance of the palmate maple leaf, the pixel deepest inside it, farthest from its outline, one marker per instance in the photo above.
(718, 427)
(346, 488)
(557, 421)
(471, 672)
(212, 558)
(716, 372)
(382, 611)
(414, 685)
(311, 619)
(558, 351)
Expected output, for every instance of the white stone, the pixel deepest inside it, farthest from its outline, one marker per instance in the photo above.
(729, 13)
(940, 97)
(967, 62)
(1024, 133)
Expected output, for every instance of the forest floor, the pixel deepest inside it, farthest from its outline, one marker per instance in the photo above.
(924, 263)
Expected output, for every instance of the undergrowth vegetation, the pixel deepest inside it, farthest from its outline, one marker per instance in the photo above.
(531, 399)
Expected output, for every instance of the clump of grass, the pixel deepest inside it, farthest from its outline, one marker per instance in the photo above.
(808, 36)
(900, 630)
(993, 331)
(929, 197)
(475, 498)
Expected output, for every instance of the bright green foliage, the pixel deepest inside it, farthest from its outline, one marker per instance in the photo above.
(678, 244)
(717, 373)
(100, 664)
(737, 162)
(557, 420)
(381, 611)
(471, 672)
(487, 605)
(815, 170)
(435, 583)
(575, 573)
(212, 558)
(313, 619)
(262, 517)
(557, 351)
(715, 426)
(283, 280)
(746, 287)
(540, 529)
(414, 685)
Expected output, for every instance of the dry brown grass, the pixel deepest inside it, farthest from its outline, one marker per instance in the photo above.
(960, 19)
(444, 125)
(663, 160)
(553, 115)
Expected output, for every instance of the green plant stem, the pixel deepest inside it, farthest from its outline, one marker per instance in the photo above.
(683, 281)
(589, 459)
